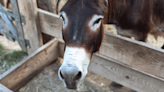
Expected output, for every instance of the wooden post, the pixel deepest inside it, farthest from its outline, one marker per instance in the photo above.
(53, 5)
(37, 21)
(31, 29)
(18, 24)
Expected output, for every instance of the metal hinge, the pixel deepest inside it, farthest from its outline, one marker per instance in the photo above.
(10, 13)
(19, 39)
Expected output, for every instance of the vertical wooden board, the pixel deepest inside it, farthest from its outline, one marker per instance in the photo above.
(47, 5)
(34, 2)
(4, 29)
(18, 24)
(53, 5)
(51, 24)
(61, 4)
(30, 29)
(138, 55)
(20, 74)
(8, 21)
(126, 76)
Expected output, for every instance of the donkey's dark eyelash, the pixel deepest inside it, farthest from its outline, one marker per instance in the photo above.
(97, 21)
(62, 17)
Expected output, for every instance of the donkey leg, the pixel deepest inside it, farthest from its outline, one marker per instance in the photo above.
(114, 84)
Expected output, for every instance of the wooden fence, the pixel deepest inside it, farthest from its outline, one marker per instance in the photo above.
(133, 64)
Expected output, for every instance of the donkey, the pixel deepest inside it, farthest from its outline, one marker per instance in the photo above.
(83, 29)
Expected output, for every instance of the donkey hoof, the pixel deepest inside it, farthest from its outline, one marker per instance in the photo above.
(114, 84)
(134, 91)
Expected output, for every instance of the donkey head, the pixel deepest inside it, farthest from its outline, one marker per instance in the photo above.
(83, 34)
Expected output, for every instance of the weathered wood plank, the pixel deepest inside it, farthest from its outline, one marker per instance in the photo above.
(126, 76)
(122, 73)
(47, 5)
(53, 5)
(35, 7)
(8, 22)
(138, 55)
(20, 34)
(4, 29)
(4, 89)
(30, 29)
(20, 74)
(50, 23)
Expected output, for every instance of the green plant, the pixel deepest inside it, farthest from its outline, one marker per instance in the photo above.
(2, 50)
(12, 58)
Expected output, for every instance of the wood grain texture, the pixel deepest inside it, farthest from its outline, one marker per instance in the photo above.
(8, 21)
(30, 29)
(47, 5)
(20, 74)
(53, 5)
(4, 89)
(122, 73)
(138, 55)
(4, 29)
(18, 24)
(126, 76)
(35, 7)
(51, 24)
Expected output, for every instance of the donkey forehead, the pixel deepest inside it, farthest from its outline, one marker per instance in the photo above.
(83, 13)
(83, 7)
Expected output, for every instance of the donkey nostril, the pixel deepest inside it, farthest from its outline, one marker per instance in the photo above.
(61, 75)
(78, 76)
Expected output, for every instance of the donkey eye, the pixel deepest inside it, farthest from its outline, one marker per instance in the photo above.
(97, 21)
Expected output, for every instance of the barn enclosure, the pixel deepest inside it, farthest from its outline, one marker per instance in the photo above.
(134, 64)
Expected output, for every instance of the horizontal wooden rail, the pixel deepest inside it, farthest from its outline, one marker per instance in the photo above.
(50, 23)
(137, 55)
(121, 73)
(20, 74)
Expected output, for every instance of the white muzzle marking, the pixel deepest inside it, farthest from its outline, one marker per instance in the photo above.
(75, 59)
